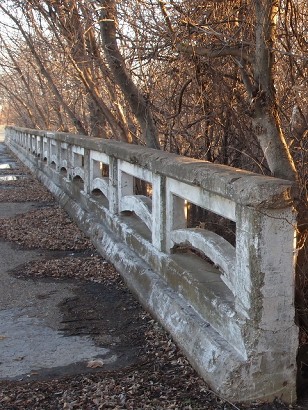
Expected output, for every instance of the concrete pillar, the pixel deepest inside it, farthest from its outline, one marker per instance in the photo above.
(175, 214)
(87, 164)
(113, 185)
(159, 212)
(244, 341)
(125, 184)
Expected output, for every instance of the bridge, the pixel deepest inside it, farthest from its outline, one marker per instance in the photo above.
(229, 306)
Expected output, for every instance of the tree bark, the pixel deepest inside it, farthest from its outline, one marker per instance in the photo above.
(264, 112)
(138, 103)
(258, 77)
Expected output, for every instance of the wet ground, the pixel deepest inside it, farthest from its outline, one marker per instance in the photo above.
(50, 328)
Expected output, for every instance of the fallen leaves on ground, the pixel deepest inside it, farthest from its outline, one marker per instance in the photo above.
(163, 379)
(24, 190)
(94, 268)
(46, 228)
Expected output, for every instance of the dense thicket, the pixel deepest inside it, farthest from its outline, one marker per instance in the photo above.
(222, 80)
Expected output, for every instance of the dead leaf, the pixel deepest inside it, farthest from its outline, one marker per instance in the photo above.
(93, 364)
(19, 359)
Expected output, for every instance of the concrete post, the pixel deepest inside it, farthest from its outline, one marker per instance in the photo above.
(113, 185)
(159, 212)
(175, 215)
(264, 284)
(125, 184)
(48, 146)
(70, 162)
(239, 334)
(87, 176)
(41, 148)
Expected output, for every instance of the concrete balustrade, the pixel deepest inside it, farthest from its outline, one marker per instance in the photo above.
(232, 311)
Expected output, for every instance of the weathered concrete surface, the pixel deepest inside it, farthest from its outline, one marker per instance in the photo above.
(220, 179)
(228, 334)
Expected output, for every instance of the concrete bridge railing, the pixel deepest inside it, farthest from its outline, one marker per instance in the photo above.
(231, 312)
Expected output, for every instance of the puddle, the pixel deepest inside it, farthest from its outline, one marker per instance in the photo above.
(51, 328)
(12, 177)
(29, 346)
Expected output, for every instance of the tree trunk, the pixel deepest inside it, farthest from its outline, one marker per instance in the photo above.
(265, 116)
(138, 103)
(82, 51)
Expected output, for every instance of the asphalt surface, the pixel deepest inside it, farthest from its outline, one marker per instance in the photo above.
(32, 344)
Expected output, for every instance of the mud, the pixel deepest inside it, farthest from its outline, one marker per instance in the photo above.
(49, 327)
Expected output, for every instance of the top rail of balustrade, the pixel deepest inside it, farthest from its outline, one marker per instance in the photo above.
(242, 187)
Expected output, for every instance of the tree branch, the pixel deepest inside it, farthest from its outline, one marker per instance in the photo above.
(223, 51)
(139, 105)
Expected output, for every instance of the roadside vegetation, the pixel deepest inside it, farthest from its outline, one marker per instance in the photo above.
(222, 80)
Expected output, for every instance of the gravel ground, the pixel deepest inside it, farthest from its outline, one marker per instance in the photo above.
(162, 379)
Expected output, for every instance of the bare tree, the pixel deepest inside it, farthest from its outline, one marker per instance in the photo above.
(224, 80)
(45, 72)
(72, 24)
(139, 104)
